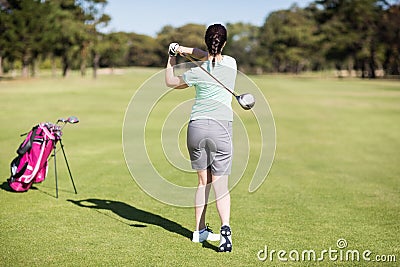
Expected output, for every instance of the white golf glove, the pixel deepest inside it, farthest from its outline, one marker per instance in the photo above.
(173, 49)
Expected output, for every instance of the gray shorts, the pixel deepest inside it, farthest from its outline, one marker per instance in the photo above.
(210, 145)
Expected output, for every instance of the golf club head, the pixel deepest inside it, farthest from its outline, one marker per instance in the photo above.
(246, 101)
(72, 119)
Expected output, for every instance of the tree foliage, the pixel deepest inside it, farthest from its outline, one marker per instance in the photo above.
(243, 44)
(351, 31)
(288, 41)
(23, 25)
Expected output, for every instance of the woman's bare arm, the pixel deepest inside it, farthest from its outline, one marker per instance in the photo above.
(171, 80)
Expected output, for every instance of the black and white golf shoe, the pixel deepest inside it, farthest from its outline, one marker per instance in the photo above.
(225, 244)
(205, 234)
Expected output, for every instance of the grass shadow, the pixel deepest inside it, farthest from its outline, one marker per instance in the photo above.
(137, 216)
(6, 187)
(210, 246)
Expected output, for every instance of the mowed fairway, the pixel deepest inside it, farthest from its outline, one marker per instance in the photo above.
(336, 175)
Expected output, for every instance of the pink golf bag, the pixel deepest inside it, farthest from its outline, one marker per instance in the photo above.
(30, 166)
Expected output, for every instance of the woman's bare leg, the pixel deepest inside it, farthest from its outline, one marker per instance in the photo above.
(201, 198)
(223, 198)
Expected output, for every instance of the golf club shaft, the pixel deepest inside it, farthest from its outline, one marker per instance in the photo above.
(212, 76)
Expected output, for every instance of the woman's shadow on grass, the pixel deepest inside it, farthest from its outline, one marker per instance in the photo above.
(131, 213)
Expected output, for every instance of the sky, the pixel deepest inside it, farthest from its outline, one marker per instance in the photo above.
(149, 16)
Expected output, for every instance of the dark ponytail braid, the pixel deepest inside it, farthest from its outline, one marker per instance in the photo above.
(215, 39)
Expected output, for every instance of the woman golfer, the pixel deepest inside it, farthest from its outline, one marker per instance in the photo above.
(209, 135)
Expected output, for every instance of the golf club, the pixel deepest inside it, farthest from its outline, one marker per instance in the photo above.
(246, 101)
(71, 119)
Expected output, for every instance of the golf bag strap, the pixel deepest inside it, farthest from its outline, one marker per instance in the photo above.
(46, 131)
(24, 148)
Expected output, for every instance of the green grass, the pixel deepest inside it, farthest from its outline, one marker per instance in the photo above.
(336, 175)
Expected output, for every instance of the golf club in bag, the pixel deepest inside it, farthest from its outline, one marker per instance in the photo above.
(31, 164)
(246, 101)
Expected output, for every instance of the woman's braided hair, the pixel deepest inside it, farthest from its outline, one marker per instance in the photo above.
(215, 38)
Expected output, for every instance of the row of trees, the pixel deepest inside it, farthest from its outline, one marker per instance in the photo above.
(63, 30)
(360, 36)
